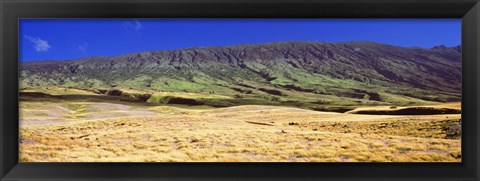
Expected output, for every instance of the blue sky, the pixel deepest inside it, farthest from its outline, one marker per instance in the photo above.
(63, 39)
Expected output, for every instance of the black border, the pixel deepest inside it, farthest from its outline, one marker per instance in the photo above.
(12, 10)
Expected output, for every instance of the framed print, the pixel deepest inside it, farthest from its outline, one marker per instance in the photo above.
(248, 90)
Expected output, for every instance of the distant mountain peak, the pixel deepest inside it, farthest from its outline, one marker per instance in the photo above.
(440, 47)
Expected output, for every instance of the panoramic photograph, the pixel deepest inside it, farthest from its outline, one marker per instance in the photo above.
(240, 90)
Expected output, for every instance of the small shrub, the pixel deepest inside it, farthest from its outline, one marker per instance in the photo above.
(238, 96)
(454, 131)
(275, 99)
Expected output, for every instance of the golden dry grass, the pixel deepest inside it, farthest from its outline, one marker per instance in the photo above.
(77, 132)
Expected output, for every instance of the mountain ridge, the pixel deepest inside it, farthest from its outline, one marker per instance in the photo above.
(352, 70)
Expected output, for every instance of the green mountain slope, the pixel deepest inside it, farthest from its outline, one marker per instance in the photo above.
(316, 75)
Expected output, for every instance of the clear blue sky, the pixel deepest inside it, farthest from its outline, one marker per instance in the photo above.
(63, 39)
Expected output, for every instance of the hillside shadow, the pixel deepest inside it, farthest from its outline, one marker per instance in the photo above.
(41, 97)
(411, 111)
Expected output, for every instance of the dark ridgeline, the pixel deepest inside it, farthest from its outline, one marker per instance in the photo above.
(279, 65)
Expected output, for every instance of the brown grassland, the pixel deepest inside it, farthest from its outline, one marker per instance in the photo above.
(89, 131)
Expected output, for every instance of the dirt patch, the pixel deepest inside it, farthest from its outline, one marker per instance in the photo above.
(48, 111)
(108, 110)
(107, 107)
(114, 114)
(39, 122)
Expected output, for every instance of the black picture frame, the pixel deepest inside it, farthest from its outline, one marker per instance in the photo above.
(12, 10)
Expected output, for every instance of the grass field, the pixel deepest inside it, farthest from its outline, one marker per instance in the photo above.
(106, 129)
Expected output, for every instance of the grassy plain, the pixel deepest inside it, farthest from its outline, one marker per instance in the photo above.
(109, 129)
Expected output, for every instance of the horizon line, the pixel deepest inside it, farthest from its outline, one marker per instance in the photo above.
(233, 45)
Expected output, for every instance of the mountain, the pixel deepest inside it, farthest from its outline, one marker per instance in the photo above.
(280, 71)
